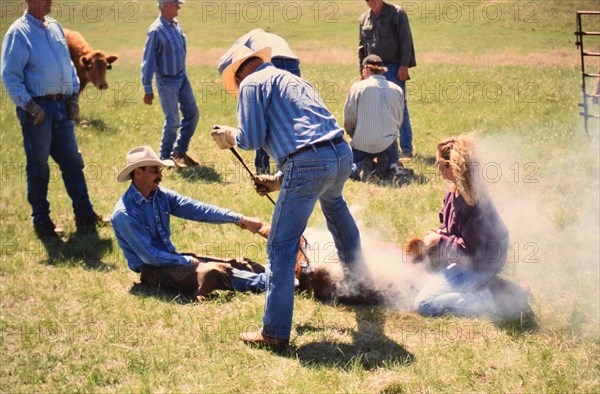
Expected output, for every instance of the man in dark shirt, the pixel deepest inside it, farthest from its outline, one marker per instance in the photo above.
(385, 32)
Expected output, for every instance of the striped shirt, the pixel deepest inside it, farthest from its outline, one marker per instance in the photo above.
(164, 52)
(281, 113)
(36, 60)
(373, 113)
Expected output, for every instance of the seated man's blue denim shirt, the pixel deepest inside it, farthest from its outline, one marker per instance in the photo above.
(142, 225)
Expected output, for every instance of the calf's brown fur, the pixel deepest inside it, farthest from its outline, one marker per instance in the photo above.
(91, 65)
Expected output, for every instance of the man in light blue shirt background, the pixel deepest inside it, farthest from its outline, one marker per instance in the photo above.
(282, 57)
(141, 222)
(164, 57)
(42, 82)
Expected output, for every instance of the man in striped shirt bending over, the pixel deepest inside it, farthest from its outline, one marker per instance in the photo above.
(164, 55)
(373, 115)
(286, 116)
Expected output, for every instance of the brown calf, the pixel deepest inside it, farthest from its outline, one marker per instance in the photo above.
(91, 65)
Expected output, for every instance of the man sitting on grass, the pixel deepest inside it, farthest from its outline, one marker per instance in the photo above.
(141, 221)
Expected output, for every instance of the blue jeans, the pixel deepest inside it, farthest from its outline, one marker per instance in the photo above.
(309, 176)
(406, 135)
(456, 291)
(358, 156)
(247, 281)
(261, 160)
(176, 94)
(54, 137)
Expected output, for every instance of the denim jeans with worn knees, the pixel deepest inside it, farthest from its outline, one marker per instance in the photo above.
(309, 176)
(54, 137)
(457, 291)
(176, 94)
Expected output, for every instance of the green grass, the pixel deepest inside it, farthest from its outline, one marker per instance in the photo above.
(72, 320)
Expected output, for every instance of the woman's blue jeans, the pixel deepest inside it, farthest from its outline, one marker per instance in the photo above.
(457, 291)
(309, 176)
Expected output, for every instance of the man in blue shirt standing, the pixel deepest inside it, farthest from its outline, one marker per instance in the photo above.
(41, 80)
(164, 56)
(141, 221)
(285, 114)
(282, 57)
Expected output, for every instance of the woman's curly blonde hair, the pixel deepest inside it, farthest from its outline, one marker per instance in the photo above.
(459, 154)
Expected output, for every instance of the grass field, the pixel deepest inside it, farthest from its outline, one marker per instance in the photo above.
(73, 320)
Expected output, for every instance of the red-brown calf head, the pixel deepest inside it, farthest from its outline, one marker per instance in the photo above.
(95, 65)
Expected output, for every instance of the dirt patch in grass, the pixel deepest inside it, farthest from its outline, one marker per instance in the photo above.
(210, 57)
(552, 58)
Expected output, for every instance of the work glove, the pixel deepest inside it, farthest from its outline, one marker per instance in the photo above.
(264, 184)
(224, 136)
(72, 103)
(35, 111)
(251, 224)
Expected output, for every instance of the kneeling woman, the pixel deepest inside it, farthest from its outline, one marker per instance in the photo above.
(471, 244)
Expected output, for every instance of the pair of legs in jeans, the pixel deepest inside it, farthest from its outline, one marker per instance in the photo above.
(261, 160)
(406, 129)
(358, 156)
(54, 137)
(457, 290)
(176, 94)
(309, 176)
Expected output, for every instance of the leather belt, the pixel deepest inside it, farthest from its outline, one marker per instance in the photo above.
(320, 144)
(53, 97)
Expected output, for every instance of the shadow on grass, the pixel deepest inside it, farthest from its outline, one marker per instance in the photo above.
(525, 323)
(173, 296)
(83, 246)
(428, 160)
(166, 295)
(98, 124)
(370, 347)
(197, 173)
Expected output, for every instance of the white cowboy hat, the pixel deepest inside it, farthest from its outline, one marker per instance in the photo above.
(140, 157)
(240, 54)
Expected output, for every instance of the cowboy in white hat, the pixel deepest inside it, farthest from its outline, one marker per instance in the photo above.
(141, 221)
(285, 115)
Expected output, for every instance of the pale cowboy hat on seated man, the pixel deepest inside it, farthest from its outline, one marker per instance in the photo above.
(140, 157)
(141, 222)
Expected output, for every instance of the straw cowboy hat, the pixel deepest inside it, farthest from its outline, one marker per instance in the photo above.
(240, 54)
(140, 157)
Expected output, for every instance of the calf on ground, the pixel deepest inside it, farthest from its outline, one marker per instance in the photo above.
(91, 64)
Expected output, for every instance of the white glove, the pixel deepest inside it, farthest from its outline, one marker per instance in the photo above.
(224, 136)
